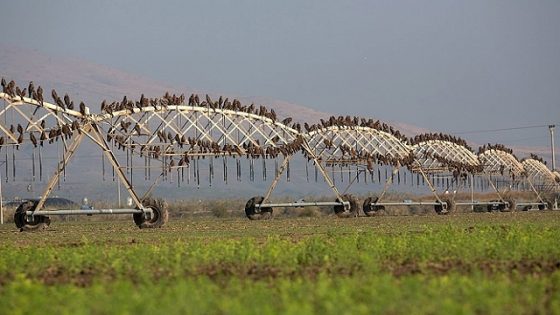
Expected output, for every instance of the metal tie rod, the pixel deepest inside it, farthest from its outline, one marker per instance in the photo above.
(481, 203)
(85, 212)
(303, 204)
(419, 203)
(530, 203)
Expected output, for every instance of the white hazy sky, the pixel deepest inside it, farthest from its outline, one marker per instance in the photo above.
(450, 66)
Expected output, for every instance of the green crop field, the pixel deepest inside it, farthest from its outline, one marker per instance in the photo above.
(496, 263)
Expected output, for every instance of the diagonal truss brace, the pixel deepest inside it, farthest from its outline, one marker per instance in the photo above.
(90, 130)
(322, 169)
(277, 178)
(62, 165)
(96, 137)
(324, 173)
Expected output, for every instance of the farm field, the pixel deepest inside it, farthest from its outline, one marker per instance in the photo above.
(499, 263)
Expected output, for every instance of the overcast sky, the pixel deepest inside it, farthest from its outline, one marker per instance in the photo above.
(450, 66)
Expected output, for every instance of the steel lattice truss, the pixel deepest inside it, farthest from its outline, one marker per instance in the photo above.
(556, 176)
(25, 119)
(356, 144)
(173, 132)
(538, 172)
(442, 156)
(499, 162)
(183, 131)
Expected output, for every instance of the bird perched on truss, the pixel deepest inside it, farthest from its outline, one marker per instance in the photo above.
(4, 85)
(31, 89)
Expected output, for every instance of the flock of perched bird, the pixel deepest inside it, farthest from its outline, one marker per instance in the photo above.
(497, 146)
(535, 157)
(441, 137)
(122, 135)
(13, 90)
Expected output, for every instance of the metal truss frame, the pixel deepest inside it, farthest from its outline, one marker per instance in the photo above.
(179, 131)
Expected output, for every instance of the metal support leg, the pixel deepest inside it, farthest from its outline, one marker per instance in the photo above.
(388, 183)
(472, 191)
(495, 188)
(99, 140)
(427, 180)
(535, 190)
(459, 187)
(62, 165)
(153, 185)
(277, 178)
(322, 170)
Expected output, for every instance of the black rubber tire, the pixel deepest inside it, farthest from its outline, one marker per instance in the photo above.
(512, 206)
(343, 213)
(371, 210)
(254, 213)
(39, 223)
(548, 205)
(451, 206)
(502, 207)
(499, 207)
(439, 209)
(160, 214)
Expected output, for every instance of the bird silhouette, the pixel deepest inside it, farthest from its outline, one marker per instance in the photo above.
(31, 88)
(33, 139)
(66, 100)
(40, 95)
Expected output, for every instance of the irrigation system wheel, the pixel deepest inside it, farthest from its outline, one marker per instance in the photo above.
(547, 205)
(257, 213)
(451, 205)
(372, 210)
(341, 212)
(496, 205)
(30, 223)
(512, 205)
(159, 216)
(446, 206)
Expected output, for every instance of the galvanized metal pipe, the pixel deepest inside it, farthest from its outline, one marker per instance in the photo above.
(530, 203)
(418, 203)
(435, 203)
(303, 204)
(85, 212)
(480, 203)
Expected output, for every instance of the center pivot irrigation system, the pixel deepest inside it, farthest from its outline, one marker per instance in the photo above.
(173, 133)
